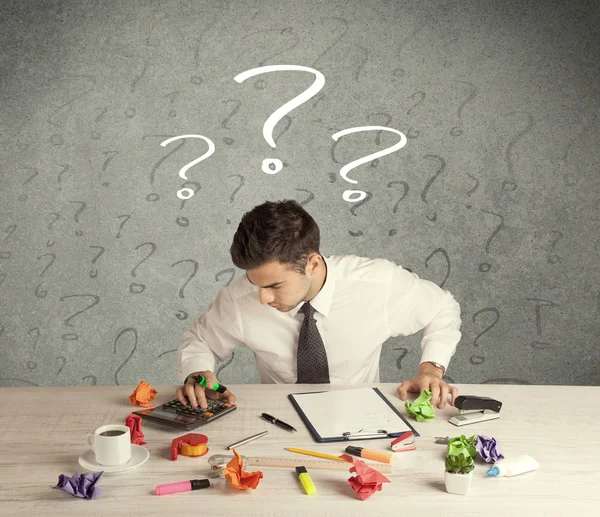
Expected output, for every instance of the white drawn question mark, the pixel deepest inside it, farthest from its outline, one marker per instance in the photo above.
(276, 116)
(186, 193)
(347, 168)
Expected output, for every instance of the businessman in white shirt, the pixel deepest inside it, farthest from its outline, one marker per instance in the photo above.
(315, 319)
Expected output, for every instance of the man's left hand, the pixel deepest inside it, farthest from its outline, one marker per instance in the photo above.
(429, 378)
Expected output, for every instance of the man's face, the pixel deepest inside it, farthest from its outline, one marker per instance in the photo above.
(279, 286)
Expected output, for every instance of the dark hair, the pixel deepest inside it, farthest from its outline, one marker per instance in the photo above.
(275, 231)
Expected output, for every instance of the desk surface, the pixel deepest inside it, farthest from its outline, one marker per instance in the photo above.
(42, 433)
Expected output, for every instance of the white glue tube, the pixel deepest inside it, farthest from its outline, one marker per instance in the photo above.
(513, 466)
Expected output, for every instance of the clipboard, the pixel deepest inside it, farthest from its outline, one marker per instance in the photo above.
(349, 414)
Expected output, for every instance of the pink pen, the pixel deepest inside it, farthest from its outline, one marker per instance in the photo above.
(182, 486)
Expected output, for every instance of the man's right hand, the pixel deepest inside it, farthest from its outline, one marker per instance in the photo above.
(196, 395)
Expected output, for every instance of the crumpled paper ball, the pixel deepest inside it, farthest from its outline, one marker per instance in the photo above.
(462, 445)
(134, 422)
(143, 394)
(80, 485)
(421, 408)
(488, 449)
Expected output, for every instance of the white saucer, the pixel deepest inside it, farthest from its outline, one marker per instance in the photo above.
(139, 456)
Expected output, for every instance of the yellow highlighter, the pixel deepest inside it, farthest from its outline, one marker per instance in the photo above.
(309, 486)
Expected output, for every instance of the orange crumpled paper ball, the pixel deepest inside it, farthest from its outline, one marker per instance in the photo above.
(142, 395)
(240, 479)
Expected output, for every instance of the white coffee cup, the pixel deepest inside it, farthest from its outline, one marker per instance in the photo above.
(111, 444)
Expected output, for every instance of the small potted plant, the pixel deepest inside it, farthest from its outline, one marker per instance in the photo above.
(459, 473)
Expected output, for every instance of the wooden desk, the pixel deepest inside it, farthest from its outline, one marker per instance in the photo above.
(42, 433)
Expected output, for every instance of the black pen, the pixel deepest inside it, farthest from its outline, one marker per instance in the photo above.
(277, 422)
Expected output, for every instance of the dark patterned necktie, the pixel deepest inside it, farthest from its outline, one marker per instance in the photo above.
(312, 358)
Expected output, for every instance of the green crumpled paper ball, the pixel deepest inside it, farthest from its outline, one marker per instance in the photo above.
(462, 445)
(421, 408)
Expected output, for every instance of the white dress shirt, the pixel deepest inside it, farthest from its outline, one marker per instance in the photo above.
(362, 303)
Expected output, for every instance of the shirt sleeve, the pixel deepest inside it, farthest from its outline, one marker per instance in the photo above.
(215, 334)
(415, 304)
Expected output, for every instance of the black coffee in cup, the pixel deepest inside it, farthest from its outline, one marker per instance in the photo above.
(115, 432)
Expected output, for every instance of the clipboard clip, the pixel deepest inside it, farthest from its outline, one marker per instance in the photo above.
(474, 409)
(364, 436)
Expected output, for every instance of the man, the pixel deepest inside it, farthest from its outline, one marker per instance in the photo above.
(315, 319)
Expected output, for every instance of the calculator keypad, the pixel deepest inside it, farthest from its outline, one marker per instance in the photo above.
(214, 408)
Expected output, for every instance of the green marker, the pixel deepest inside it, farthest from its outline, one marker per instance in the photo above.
(202, 381)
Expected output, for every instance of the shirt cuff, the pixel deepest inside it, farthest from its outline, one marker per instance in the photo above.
(193, 365)
(438, 353)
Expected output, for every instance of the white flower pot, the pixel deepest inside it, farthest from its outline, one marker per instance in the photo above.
(458, 483)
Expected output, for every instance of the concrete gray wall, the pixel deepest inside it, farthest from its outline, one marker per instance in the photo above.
(495, 196)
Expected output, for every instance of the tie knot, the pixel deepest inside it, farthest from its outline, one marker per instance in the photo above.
(307, 309)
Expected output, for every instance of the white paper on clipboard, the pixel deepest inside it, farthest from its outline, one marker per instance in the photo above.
(333, 413)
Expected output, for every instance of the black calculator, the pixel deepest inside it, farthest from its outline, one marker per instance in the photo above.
(175, 414)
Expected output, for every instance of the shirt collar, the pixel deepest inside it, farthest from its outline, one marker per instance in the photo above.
(322, 301)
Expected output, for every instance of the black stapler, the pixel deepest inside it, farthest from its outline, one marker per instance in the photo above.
(474, 409)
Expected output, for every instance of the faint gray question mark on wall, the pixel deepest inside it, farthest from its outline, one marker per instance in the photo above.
(402, 355)
(510, 185)
(388, 120)
(457, 130)
(63, 362)
(65, 168)
(227, 140)
(153, 196)
(135, 343)
(56, 218)
(181, 220)
(94, 273)
(230, 271)
(360, 195)
(32, 365)
(271, 45)
(186, 193)
(181, 314)
(172, 98)
(414, 133)
(308, 199)
(540, 345)
(353, 212)
(484, 267)
(444, 253)
(110, 155)
(82, 207)
(242, 182)
(125, 218)
(273, 165)
(225, 364)
(39, 292)
(553, 259)
(442, 166)
(95, 134)
(472, 191)
(395, 209)
(134, 287)
(74, 337)
(480, 359)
